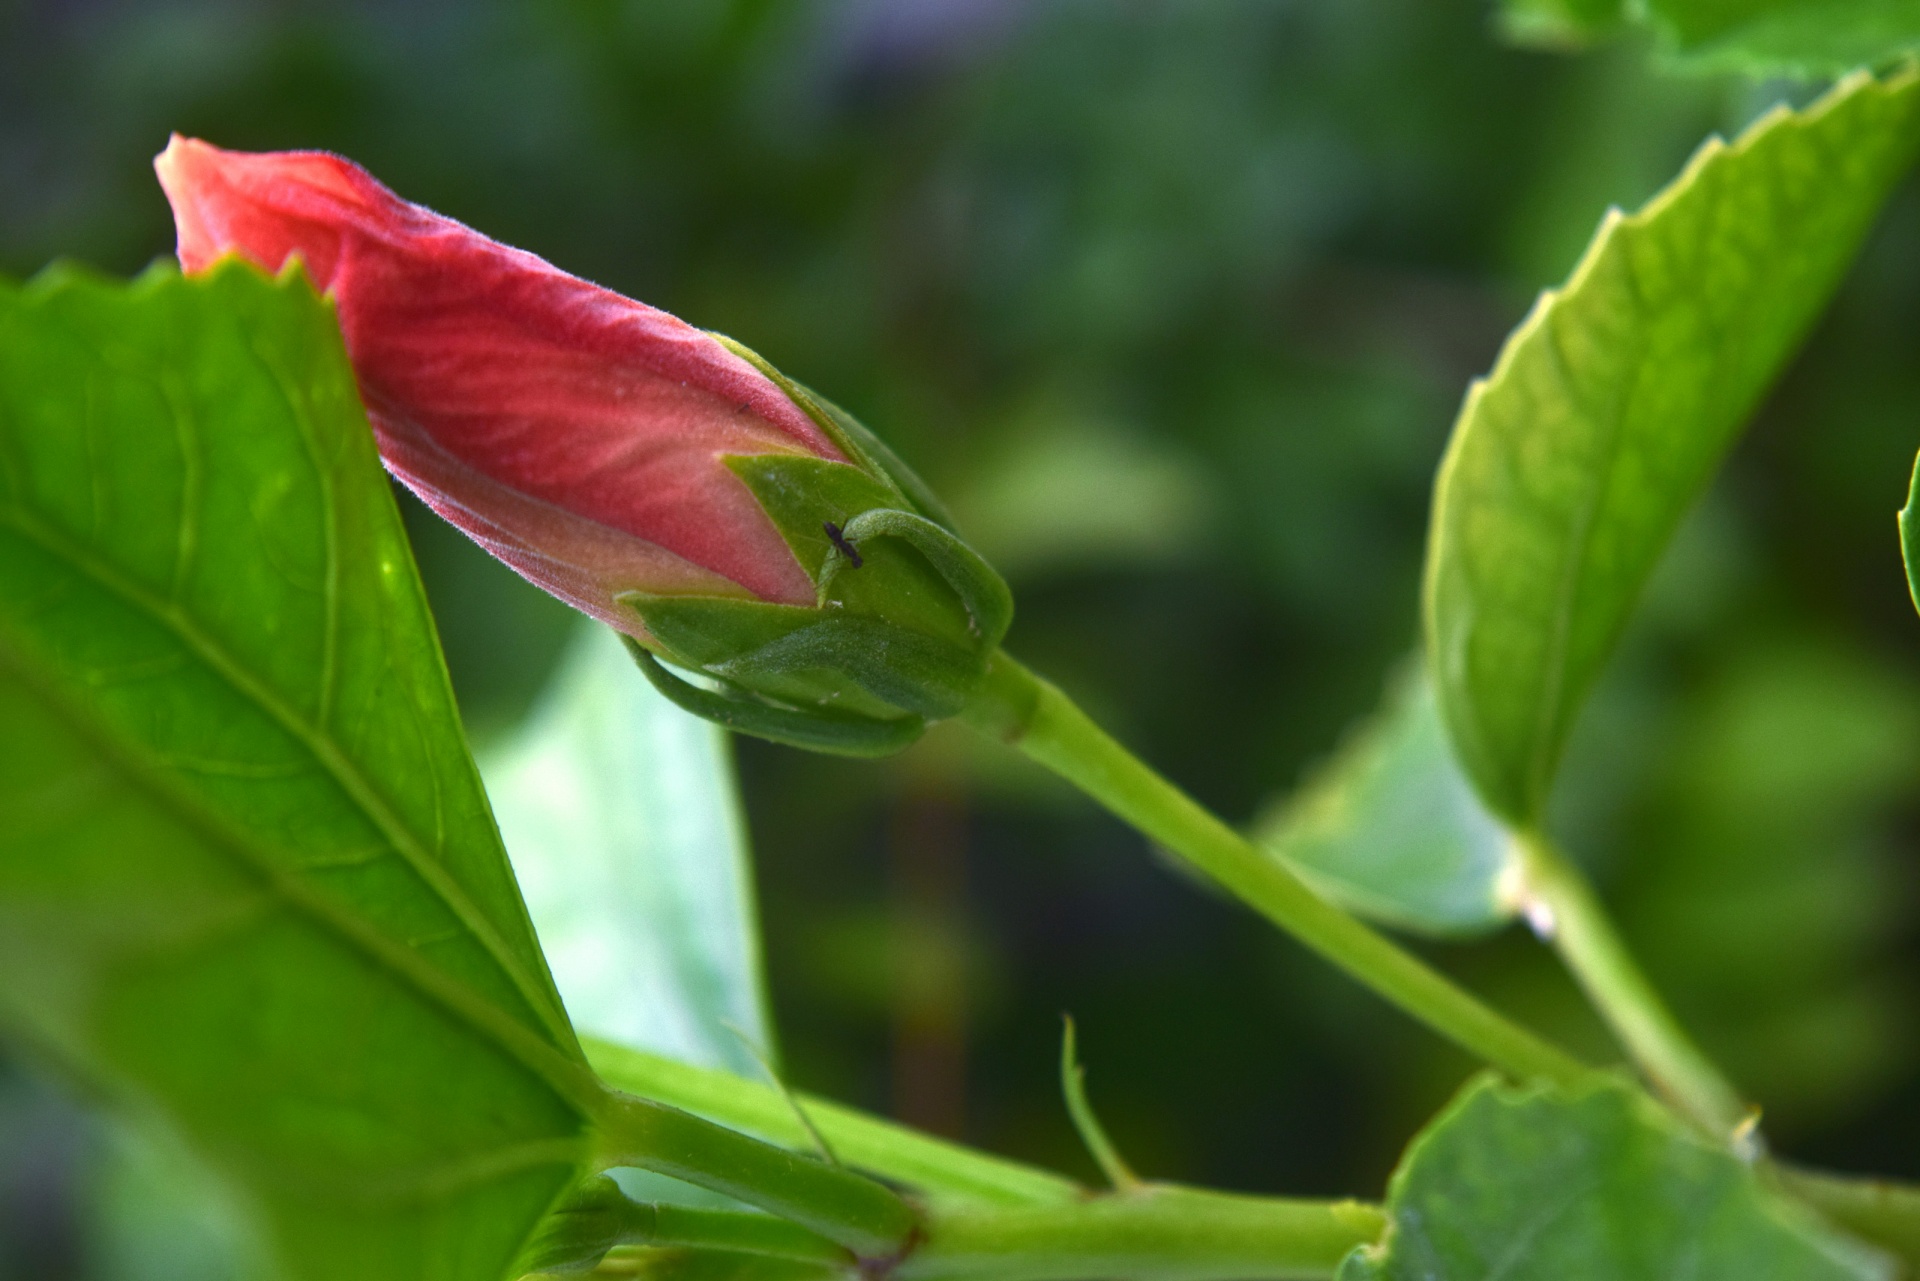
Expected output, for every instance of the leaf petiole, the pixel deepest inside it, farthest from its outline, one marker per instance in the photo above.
(1566, 913)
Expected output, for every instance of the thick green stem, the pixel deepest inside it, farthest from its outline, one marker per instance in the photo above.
(1023, 710)
(1563, 907)
(1887, 1214)
(842, 1206)
(1156, 1233)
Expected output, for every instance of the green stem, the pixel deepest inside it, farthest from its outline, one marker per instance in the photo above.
(1593, 951)
(842, 1206)
(932, 1165)
(1887, 1214)
(735, 1231)
(1025, 711)
(1157, 1233)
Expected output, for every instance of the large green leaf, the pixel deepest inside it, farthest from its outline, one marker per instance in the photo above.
(1535, 1184)
(624, 825)
(249, 883)
(1613, 403)
(1391, 829)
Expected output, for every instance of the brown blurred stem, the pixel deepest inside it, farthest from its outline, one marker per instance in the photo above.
(928, 871)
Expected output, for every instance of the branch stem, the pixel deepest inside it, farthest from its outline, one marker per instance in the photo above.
(1025, 711)
(1565, 909)
(1154, 1233)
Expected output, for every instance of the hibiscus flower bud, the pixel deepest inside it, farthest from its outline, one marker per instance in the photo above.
(660, 477)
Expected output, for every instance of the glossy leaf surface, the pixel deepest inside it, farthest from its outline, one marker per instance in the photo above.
(623, 822)
(1540, 1185)
(1391, 829)
(1612, 405)
(248, 879)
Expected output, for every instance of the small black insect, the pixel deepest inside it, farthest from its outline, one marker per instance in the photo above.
(840, 541)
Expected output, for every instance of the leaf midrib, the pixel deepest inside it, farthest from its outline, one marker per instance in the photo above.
(333, 763)
(570, 1080)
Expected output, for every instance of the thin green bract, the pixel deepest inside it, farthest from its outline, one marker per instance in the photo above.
(249, 883)
(1391, 829)
(1592, 1184)
(1613, 404)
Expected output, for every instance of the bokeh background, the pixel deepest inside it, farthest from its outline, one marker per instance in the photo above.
(1175, 301)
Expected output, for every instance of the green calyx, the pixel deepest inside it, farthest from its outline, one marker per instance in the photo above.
(904, 621)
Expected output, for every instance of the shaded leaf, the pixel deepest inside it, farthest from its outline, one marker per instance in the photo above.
(154, 1214)
(1536, 1184)
(1786, 37)
(1391, 829)
(624, 825)
(1613, 403)
(248, 879)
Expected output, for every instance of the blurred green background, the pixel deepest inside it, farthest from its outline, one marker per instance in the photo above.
(1175, 303)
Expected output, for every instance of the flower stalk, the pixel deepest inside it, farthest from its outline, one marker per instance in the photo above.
(1024, 711)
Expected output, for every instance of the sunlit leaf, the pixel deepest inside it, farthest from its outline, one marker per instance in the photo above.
(622, 819)
(248, 879)
(1546, 1185)
(1613, 403)
(1391, 829)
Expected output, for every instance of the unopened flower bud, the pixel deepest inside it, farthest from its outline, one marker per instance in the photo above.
(657, 476)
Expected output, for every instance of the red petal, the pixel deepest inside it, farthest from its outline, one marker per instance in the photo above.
(575, 433)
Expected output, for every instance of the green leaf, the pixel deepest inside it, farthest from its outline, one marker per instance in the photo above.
(1560, 23)
(1390, 829)
(1614, 402)
(624, 825)
(1538, 1184)
(1786, 37)
(249, 883)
